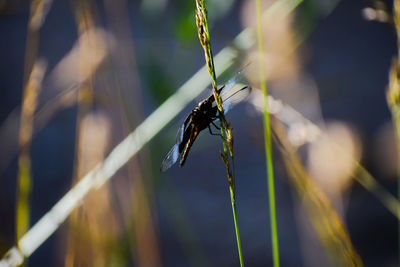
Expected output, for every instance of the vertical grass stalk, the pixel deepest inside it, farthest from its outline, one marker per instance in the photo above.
(226, 129)
(33, 74)
(29, 103)
(268, 145)
(393, 98)
(396, 122)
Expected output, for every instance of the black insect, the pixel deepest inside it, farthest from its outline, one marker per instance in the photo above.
(204, 114)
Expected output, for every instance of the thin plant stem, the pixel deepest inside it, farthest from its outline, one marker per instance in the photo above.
(239, 243)
(34, 70)
(268, 145)
(396, 122)
(31, 87)
(393, 97)
(226, 129)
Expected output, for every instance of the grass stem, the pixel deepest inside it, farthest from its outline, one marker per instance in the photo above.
(393, 97)
(236, 226)
(268, 145)
(226, 129)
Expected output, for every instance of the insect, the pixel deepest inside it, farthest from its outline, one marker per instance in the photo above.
(201, 117)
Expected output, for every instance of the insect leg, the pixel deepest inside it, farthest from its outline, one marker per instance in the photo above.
(215, 125)
(209, 128)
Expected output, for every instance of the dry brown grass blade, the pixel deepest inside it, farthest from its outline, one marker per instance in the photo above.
(84, 237)
(29, 104)
(137, 195)
(34, 71)
(93, 228)
(323, 217)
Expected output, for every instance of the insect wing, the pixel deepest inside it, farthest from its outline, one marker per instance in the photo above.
(235, 95)
(234, 91)
(170, 158)
(179, 135)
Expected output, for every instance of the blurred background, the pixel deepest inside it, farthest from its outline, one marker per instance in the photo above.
(76, 77)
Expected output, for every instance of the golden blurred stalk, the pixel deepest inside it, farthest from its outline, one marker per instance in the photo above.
(92, 131)
(323, 217)
(34, 71)
(92, 228)
(137, 195)
(38, 12)
(393, 99)
(29, 104)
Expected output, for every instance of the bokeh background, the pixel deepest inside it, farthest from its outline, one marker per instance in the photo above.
(99, 68)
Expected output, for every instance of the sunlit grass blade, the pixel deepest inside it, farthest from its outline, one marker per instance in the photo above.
(34, 71)
(393, 98)
(325, 220)
(31, 93)
(268, 145)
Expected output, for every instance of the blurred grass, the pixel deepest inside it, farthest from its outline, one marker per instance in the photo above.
(268, 145)
(393, 98)
(85, 243)
(34, 71)
(24, 184)
(110, 238)
(325, 220)
(137, 217)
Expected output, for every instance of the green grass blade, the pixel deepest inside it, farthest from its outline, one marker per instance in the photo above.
(268, 148)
